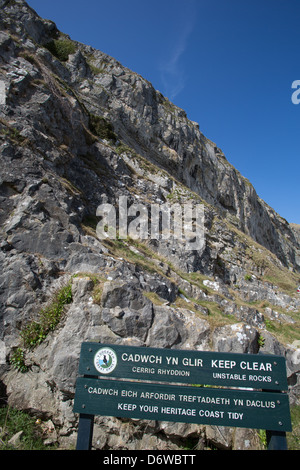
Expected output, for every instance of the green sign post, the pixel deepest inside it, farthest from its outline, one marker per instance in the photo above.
(246, 409)
(194, 367)
(140, 398)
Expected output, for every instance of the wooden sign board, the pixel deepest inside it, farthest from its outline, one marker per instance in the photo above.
(187, 404)
(130, 382)
(184, 366)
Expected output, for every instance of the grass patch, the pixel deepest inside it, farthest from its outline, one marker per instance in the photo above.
(11, 133)
(154, 297)
(102, 128)
(293, 438)
(61, 48)
(267, 264)
(95, 70)
(121, 248)
(37, 330)
(98, 282)
(284, 279)
(11, 422)
(285, 333)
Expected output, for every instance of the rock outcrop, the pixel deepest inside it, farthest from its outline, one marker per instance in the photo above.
(78, 130)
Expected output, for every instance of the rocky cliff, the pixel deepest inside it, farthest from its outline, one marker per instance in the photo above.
(77, 130)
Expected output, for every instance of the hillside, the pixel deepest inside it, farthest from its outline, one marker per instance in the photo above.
(79, 130)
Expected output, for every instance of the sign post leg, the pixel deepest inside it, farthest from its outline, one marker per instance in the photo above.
(85, 432)
(276, 440)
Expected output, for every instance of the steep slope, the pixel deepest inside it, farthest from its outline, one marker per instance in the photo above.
(78, 130)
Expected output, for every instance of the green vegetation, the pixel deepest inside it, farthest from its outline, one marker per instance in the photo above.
(102, 128)
(95, 70)
(261, 341)
(262, 437)
(13, 421)
(98, 282)
(139, 257)
(123, 148)
(37, 330)
(285, 333)
(293, 438)
(11, 133)
(154, 297)
(61, 48)
(17, 360)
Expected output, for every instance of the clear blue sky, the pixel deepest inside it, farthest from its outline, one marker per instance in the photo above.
(229, 64)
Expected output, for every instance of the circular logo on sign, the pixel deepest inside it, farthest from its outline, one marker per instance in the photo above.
(105, 360)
